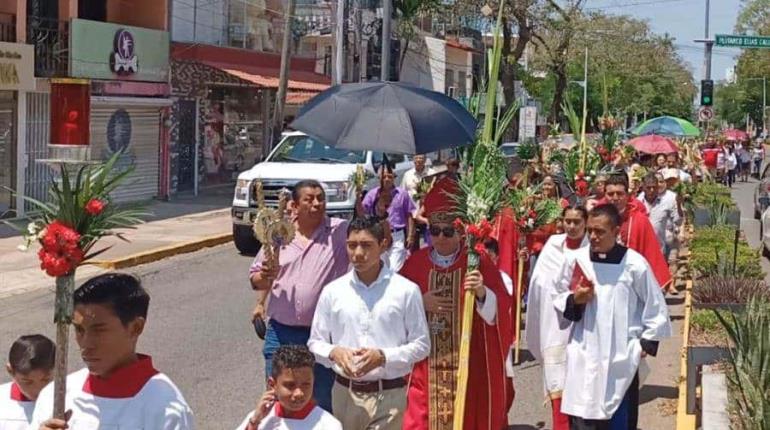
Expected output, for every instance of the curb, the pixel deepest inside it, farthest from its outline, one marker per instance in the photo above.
(685, 421)
(163, 252)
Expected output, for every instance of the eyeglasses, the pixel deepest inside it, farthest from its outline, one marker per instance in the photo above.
(448, 232)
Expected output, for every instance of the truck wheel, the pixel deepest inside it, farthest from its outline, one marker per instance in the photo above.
(245, 242)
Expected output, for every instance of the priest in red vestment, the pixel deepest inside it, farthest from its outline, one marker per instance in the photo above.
(440, 271)
(636, 232)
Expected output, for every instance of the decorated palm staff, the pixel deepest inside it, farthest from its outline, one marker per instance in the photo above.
(67, 228)
(272, 230)
(531, 213)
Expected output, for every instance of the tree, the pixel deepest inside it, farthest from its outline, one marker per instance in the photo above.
(640, 70)
(408, 12)
(555, 40)
(744, 96)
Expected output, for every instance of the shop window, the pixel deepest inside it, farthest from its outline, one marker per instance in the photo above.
(95, 10)
(253, 24)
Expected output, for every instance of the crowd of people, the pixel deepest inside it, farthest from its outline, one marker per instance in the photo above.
(362, 317)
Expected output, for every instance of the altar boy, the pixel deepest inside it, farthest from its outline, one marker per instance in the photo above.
(288, 402)
(119, 388)
(30, 364)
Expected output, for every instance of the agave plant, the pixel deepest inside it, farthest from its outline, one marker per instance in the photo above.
(749, 331)
(721, 289)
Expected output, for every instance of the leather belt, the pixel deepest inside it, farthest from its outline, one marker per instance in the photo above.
(397, 230)
(371, 386)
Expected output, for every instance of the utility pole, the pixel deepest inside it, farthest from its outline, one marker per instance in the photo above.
(709, 43)
(339, 41)
(283, 80)
(387, 12)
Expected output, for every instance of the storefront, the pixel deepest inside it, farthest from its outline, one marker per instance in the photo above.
(223, 103)
(16, 78)
(128, 68)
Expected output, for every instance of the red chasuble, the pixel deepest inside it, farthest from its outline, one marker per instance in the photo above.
(432, 388)
(637, 233)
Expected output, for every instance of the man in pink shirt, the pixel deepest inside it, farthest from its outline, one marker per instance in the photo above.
(315, 257)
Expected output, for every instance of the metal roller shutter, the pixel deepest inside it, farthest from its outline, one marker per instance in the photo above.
(135, 128)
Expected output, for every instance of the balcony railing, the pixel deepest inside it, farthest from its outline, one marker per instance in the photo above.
(7, 27)
(51, 40)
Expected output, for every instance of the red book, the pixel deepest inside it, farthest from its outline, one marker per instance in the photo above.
(579, 279)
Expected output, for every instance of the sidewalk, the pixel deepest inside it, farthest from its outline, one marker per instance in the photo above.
(183, 225)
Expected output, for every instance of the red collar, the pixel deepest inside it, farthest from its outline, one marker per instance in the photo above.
(298, 415)
(574, 243)
(124, 382)
(17, 395)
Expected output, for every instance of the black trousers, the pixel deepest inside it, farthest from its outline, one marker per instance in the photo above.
(625, 418)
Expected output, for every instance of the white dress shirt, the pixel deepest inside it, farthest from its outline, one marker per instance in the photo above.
(412, 179)
(387, 315)
(663, 214)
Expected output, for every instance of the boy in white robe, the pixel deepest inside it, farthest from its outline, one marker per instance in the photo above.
(30, 364)
(119, 389)
(618, 315)
(547, 332)
(288, 403)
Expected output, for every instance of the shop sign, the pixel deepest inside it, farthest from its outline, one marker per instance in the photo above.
(124, 61)
(101, 50)
(17, 65)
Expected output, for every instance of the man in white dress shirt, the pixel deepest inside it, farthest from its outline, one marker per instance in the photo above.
(370, 327)
(662, 208)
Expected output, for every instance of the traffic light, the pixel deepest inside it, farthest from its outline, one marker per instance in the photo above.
(706, 92)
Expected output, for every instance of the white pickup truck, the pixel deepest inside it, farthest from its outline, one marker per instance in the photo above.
(299, 157)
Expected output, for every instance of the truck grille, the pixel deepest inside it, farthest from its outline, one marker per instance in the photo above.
(271, 190)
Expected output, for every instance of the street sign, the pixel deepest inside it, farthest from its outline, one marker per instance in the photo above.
(705, 114)
(527, 123)
(741, 41)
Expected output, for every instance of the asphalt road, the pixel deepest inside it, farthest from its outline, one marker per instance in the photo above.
(198, 333)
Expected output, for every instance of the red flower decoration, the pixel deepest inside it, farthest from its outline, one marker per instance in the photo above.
(61, 252)
(480, 249)
(458, 224)
(532, 214)
(474, 231)
(94, 207)
(582, 189)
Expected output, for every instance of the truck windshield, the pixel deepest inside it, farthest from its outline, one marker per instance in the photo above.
(305, 149)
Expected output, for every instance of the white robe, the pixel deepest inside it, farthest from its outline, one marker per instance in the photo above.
(14, 414)
(604, 350)
(318, 419)
(546, 330)
(158, 406)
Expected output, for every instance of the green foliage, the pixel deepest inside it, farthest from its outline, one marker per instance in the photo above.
(704, 320)
(69, 197)
(712, 254)
(750, 361)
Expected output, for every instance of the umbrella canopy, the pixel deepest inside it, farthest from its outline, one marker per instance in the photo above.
(667, 126)
(653, 144)
(735, 134)
(386, 116)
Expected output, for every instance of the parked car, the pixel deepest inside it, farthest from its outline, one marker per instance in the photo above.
(762, 192)
(296, 157)
(510, 150)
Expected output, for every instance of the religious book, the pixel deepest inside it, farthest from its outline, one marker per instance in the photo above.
(579, 279)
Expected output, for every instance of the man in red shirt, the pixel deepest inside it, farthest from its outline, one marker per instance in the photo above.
(711, 155)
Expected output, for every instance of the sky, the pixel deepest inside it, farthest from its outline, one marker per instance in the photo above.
(684, 20)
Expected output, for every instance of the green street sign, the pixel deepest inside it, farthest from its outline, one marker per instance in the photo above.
(743, 41)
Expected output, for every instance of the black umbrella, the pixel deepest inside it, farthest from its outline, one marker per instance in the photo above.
(386, 116)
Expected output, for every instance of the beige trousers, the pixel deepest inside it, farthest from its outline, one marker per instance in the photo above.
(383, 410)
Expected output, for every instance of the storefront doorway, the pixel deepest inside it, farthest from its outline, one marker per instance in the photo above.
(7, 157)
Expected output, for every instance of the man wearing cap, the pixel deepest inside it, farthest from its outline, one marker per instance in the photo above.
(440, 271)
